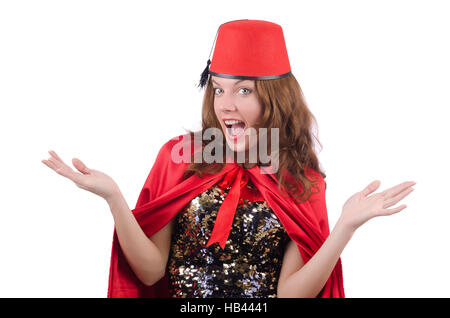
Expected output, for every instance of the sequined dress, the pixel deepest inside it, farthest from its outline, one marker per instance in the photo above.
(250, 264)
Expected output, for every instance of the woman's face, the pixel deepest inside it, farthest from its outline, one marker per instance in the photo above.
(236, 99)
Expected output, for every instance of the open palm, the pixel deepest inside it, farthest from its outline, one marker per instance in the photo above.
(89, 179)
(361, 207)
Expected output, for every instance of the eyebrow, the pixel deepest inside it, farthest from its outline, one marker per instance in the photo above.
(234, 83)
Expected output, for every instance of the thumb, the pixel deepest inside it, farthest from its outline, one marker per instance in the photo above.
(371, 187)
(80, 166)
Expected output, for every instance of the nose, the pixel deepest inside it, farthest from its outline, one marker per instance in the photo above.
(226, 102)
(227, 106)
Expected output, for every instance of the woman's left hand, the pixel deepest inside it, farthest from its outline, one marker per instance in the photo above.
(361, 207)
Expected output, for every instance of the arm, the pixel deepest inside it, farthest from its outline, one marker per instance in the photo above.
(143, 255)
(307, 280)
(146, 256)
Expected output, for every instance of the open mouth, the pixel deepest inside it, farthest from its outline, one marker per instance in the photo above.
(235, 128)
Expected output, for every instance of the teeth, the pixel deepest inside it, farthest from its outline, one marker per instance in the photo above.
(231, 122)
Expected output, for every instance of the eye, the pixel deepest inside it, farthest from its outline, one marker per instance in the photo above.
(249, 90)
(243, 88)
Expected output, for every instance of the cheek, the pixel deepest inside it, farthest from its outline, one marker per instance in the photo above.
(253, 113)
(216, 111)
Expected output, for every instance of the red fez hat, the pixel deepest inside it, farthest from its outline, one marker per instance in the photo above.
(248, 49)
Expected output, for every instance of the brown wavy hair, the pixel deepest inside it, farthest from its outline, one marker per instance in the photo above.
(284, 107)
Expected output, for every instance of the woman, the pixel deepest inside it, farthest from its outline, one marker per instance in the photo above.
(271, 227)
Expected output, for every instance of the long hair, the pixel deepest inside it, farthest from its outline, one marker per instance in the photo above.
(284, 107)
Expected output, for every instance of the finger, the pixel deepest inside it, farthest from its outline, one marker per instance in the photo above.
(371, 187)
(59, 163)
(55, 162)
(49, 164)
(389, 193)
(52, 153)
(80, 166)
(63, 169)
(392, 211)
(398, 197)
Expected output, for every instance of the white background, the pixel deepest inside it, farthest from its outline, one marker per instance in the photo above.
(110, 81)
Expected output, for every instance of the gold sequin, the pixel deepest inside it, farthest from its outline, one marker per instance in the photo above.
(250, 264)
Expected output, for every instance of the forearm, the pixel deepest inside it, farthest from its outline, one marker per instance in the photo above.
(141, 253)
(309, 280)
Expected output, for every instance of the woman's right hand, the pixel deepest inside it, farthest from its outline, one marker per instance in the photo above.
(89, 179)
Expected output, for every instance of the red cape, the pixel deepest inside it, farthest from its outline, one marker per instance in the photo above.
(165, 194)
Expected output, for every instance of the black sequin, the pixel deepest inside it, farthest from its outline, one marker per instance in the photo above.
(250, 264)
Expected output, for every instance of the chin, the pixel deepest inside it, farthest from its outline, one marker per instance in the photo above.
(237, 146)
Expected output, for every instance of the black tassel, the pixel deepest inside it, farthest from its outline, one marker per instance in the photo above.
(204, 76)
